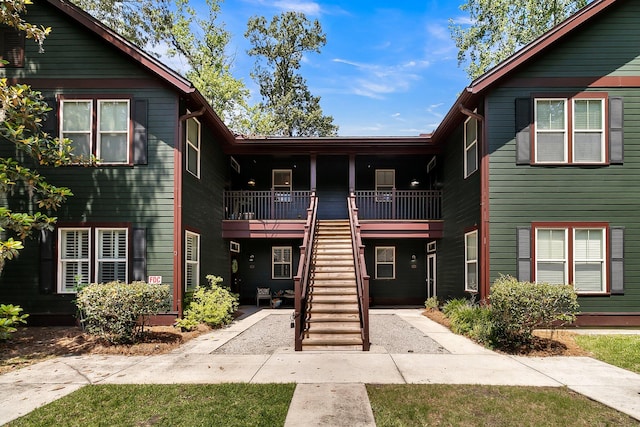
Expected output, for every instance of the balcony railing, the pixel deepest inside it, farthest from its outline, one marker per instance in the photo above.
(399, 204)
(245, 205)
(392, 204)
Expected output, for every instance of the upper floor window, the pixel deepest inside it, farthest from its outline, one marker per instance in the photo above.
(282, 184)
(470, 146)
(193, 147)
(106, 134)
(11, 48)
(569, 130)
(572, 254)
(471, 261)
(385, 262)
(385, 184)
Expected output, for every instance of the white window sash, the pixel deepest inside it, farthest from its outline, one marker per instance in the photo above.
(72, 134)
(283, 262)
(469, 146)
(564, 260)
(121, 132)
(470, 260)
(100, 234)
(282, 190)
(66, 284)
(193, 147)
(192, 260)
(391, 263)
(600, 131)
(539, 131)
(600, 260)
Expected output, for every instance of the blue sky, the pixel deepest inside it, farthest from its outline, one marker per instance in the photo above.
(388, 68)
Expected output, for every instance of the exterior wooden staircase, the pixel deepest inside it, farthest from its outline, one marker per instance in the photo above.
(332, 313)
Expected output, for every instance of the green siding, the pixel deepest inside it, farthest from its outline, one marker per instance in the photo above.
(460, 212)
(520, 195)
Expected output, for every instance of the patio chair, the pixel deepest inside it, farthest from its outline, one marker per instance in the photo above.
(263, 293)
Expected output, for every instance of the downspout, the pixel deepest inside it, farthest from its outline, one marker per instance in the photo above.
(483, 274)
(178, 291)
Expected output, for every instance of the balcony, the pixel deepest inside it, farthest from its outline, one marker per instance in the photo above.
(399, 204)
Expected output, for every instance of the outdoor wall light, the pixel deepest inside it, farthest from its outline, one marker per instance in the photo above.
(414, 261)
(252, 258)
(415, 182)
(251, 182)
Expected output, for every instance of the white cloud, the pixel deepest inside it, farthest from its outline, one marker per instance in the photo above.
(462, 20)
(308, 8)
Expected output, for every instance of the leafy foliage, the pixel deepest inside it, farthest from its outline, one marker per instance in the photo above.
(520, 307)
(498, 28)
(22, 113)
(213, 305)
(470, 319)
(432, 303)
(118, 311)
(10, 317)
(288, 104)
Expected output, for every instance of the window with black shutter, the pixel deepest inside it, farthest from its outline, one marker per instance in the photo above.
(11, 48)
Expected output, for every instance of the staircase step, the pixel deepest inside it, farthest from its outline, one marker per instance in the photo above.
(319, 307)
(334, 317)
(334, 290)
(332, 284)
(338, 262)
(333, 299)
(331, 340)
(343, 275)
(334, 328)
(334, 269)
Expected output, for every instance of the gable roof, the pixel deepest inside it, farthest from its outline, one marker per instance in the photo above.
(470, 95)
(150, 63)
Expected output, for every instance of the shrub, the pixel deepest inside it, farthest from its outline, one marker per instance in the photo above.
(470, 319)
(520, 307)
(454, 305)
(211, 304)
(432, 303)
(118, 311)
(10, 317)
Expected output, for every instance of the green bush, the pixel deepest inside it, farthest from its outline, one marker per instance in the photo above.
(432, 303)
(470, 319)
(10, 317)
(118, 311)
(520, 307)
(211, 304)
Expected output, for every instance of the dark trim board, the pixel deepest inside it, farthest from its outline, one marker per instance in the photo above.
(265, 229)
(631, 319)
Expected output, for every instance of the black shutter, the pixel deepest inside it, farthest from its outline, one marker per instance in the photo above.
(523, 131)
(11, 47)
(139, 261)
(524, 254)
(140, 118)
(47, 262)
(616, 131)
(50, 125)
(617, 260)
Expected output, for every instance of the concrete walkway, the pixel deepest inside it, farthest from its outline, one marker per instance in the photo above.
(336, 378)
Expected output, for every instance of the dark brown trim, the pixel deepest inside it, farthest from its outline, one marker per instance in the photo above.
(483, 237)
(90, 83)
(178, 284)
(577, 82)
(616, 319)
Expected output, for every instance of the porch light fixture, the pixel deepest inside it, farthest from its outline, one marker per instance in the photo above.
(251, 182)
(415, 182)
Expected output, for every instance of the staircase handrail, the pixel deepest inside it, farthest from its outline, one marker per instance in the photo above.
(303, 276)
(362, 278)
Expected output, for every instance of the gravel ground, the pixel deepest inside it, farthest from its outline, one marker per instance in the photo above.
(386, 330)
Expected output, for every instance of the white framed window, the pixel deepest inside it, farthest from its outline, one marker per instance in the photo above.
(74, 259)
(589, 256)
(282, 184)
(551, 255)
(281, 262)
(235, 165)
(588, 131)
(551, 130)
(113, 131)
(385, 262)
(193, 147)
(75, 117)
(470, 146)
(570, 130)
(385, 184)
(112, 255)
(471, 261)
(572, 254)
(192, 260)
(105, 133)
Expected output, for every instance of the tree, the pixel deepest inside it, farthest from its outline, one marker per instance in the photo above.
(500, 27)
(22, 112)
(287, 103)
(200, 42)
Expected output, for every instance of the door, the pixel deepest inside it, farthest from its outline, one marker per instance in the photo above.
(332, 186)
(431, 275)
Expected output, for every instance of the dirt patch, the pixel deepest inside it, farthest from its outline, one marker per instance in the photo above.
(34, 344)
(562, 343)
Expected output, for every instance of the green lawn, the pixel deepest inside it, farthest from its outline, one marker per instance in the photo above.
(167, 405)
(618, 350)
(474, 405)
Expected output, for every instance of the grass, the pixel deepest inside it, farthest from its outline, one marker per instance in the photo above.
(167, 405)
(472, 405)
(618, 350)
